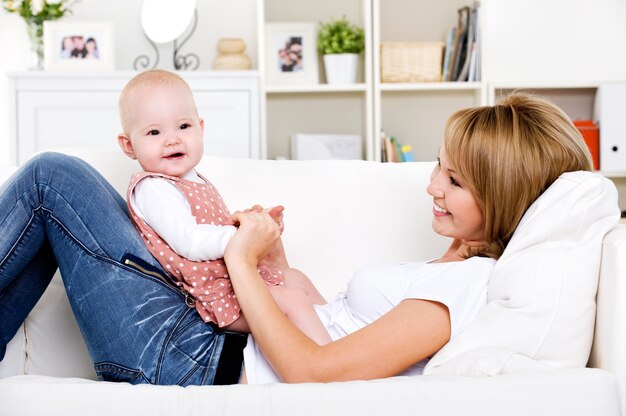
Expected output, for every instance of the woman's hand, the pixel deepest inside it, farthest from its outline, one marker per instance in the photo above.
(275, 212)
(256, 237)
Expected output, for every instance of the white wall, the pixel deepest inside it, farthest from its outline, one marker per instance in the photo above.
(216, 19)
(554, 41)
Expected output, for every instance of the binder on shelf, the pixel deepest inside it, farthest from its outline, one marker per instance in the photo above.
(589, 130)
(609, 112)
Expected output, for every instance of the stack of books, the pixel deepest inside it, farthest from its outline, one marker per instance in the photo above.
(393, 151)
(461, 60)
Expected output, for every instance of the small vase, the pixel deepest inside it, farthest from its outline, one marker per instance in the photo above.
(341, 68)
(231, 55)
(35, 34)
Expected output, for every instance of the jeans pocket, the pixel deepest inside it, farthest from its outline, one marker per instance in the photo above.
(107, 371)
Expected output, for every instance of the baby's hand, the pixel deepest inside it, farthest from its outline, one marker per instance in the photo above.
(275, 212)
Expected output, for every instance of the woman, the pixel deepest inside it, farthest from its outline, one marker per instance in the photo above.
(495, 161)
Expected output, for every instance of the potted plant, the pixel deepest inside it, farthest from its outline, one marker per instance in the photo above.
(340, 42)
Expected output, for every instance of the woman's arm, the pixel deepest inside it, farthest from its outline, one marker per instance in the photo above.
(412, 331)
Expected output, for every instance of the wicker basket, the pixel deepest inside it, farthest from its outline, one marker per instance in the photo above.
(411, 61)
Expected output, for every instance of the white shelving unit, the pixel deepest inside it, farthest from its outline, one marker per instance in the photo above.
(415, 113)
(319, 108)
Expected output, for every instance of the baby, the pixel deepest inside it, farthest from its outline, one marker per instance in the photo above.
(181, 215)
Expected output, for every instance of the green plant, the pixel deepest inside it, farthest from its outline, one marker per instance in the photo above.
(340, 36)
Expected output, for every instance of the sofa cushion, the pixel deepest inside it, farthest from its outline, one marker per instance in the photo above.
(581, 392)
(541, 301)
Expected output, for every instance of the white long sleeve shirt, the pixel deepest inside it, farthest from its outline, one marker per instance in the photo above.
(164, 208)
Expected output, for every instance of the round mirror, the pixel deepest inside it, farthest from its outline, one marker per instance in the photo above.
(165, 20)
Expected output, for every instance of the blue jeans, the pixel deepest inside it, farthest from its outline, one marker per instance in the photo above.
(57, 211)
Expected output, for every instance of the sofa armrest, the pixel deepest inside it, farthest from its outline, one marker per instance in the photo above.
(609, 341)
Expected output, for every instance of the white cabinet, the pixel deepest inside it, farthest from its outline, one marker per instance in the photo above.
(58, 109)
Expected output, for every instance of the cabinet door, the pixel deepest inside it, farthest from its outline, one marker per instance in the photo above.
(89, 119)
(60, 119)
(227, 123)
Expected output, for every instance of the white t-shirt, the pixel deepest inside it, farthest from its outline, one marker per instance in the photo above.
(374, 291)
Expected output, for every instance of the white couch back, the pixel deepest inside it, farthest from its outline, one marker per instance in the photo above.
(339, 217)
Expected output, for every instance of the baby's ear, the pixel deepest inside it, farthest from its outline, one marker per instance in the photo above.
(126, 145)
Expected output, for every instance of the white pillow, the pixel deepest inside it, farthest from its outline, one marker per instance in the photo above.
(541, 301)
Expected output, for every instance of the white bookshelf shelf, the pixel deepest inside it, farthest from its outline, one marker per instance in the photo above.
(431, 86)
(318, 88)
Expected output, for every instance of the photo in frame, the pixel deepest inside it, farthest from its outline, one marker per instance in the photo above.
(291, 53)
(78, 45)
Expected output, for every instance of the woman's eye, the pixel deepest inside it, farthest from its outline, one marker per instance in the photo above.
(454, 181)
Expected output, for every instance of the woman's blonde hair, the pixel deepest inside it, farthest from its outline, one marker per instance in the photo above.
(509, 154)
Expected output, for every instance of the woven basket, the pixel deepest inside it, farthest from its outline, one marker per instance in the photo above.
(411, 61)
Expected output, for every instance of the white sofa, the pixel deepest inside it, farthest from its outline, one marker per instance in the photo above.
(340, 216)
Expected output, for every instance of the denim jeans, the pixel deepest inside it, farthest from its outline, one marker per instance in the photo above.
(57, 211)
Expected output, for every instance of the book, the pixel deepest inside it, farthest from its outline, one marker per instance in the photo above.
(467, 47)
(397, 153)
(471, 76)
(461, 47)
(407, 152)
(448, 53)
(477, 40)
(455, 52)
(389, 150)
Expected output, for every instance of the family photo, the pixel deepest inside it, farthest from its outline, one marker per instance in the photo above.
(79, 46)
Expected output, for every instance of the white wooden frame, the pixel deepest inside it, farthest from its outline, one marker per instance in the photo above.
(57, 55)
(278, 37)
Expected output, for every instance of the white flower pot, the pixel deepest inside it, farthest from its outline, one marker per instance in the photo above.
(341, 68)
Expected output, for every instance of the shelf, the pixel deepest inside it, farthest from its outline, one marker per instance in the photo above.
(318, 88)
(544, 86)
(431, 86)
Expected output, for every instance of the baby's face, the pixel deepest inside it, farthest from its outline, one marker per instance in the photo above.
(165, 131)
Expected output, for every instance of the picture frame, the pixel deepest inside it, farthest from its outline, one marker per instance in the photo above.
(78, 45)
(291, 53)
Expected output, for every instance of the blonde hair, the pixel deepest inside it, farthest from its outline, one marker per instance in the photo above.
(151, 78)
(509, 154)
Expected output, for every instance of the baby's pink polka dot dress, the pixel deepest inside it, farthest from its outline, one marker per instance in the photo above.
(206, 282)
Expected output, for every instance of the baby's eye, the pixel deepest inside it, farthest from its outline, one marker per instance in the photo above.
(185, 126)
(153, 132)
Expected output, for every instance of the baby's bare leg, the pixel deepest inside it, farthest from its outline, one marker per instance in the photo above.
(294, 278)
(297, 306)
(240, 325)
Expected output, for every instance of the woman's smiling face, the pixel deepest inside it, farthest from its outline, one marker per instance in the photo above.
(456, 211)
